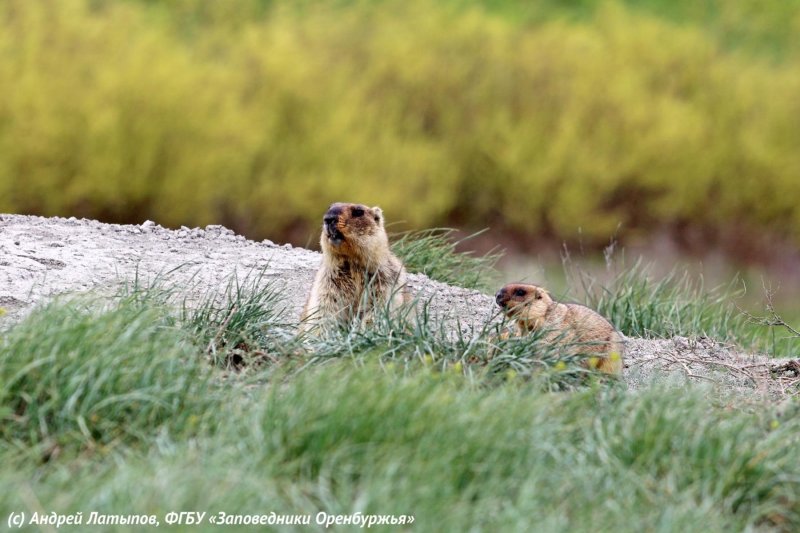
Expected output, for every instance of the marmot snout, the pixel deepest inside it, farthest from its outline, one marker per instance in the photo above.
(532, 308)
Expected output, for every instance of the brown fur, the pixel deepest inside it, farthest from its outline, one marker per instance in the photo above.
(355, 257)
(533, 308)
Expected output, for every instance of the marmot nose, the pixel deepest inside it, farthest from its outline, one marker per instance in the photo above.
(330, 220)
(500, 297)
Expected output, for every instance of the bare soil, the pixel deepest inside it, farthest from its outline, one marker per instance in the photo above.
(44, 257)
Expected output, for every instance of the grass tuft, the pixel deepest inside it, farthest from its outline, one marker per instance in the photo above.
(676, 304)
(414, 339)
(76, 375)
(243, 325)
(641, 306)
(433, 252)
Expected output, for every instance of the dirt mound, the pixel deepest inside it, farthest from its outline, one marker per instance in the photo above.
(43, 257)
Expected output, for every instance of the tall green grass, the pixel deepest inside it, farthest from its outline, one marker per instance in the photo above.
(245, 324)
(433, 252)
(642, 305)
(455, 456)
(675, 304)
(414, 339)
(115, 406)
(75, 376)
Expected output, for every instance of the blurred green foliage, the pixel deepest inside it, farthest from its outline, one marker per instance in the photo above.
(541, 120)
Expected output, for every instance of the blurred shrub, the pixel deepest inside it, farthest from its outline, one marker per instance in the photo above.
(192, 112)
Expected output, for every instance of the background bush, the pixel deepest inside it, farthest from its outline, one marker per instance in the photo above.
(538, 119)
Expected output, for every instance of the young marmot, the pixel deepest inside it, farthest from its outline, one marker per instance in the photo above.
(533, 309)
(359, 273)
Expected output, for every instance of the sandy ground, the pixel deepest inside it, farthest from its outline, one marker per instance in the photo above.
(44, 257)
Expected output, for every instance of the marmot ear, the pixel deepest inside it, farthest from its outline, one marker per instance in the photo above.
(539, 293)
(378, 213)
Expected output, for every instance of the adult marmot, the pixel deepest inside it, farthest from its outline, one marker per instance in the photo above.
(359, 273)
(589, 333)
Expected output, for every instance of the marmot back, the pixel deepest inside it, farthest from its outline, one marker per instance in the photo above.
(359, 273)
(533, 308)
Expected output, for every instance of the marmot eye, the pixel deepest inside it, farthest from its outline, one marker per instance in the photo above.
(519, 292)
(357, 212)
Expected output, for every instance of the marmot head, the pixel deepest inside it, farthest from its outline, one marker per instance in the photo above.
(526, 304)
(354, 231)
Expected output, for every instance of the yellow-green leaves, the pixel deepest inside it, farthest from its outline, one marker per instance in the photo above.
(258, 119)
